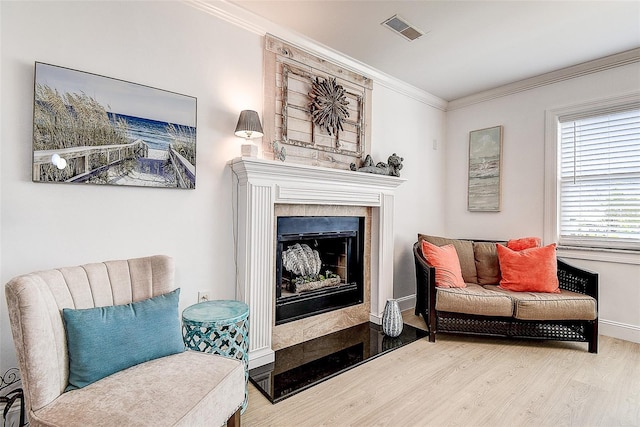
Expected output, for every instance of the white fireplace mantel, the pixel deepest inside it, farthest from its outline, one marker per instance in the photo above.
(261, 184)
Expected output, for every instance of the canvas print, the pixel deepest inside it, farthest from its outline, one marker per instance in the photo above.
(485, 152)
(93, 129)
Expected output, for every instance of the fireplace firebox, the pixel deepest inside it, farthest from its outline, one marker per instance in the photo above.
(319, 265)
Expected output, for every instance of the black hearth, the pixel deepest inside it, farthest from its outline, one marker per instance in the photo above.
(304, 365)
(319, 265)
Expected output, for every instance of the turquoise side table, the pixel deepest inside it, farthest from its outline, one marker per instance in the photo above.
(219, 327)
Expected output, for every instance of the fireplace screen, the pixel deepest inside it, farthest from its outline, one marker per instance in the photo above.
(319, 265)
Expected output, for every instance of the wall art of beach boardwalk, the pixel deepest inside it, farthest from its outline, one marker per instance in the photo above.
(121, 134)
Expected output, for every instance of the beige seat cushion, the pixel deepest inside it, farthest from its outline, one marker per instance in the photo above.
(464, 248)
(474, 299)
(181, 390)
(566, 305)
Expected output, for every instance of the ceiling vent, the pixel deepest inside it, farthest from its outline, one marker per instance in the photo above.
(399, 26)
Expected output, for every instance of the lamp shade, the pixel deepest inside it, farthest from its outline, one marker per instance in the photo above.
(249, 125)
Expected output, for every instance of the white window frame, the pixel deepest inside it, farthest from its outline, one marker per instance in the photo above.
(552, 182)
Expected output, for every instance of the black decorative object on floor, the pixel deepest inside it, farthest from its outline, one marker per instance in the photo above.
(304, 365)
(10, 393)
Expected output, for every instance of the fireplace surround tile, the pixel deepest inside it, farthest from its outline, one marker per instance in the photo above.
(316, 326)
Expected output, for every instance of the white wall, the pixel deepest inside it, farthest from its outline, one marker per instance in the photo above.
(169, 46)
(408, 127)
(172, 46)
(523, 116)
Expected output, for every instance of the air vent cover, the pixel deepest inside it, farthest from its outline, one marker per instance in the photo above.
(400, 26)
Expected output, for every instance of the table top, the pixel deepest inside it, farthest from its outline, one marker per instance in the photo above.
(216, 311)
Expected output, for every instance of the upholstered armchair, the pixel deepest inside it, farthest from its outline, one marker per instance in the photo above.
(164, 386)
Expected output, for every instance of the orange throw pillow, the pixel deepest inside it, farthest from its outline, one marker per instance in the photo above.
(445, 260)
(529, 270)
(524, 243)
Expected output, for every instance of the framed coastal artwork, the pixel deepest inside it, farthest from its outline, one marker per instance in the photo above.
(93, 129)
(485, 159)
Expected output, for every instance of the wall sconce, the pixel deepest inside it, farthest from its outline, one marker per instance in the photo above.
(249, 127)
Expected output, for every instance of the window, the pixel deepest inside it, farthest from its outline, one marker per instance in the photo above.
(598, 178)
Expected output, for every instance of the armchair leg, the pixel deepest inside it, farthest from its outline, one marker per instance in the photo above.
(234, 421)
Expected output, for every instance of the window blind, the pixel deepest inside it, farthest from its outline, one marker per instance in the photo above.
(599, 170)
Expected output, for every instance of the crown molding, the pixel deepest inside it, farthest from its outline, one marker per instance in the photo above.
(249, 21)
(231, 13)
(608, 62)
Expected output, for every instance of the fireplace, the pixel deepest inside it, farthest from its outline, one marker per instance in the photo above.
(262, 187)
(319, 265)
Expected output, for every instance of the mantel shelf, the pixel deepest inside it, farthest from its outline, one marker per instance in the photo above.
(250, 167)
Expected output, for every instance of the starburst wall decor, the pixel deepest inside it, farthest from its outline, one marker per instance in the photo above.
(328, 105)
(321, 110)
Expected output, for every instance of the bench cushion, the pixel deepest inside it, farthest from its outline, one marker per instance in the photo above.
(529, 270)
(445, 260)
(487, 266)
(565, 305)
(474, 299)
(178, 390)
(99, 340)
(524, 243)
(464, 248)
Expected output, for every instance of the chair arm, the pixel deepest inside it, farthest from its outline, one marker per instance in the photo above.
(576, 279)
(425, 281)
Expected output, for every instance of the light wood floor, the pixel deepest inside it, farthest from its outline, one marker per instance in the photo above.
(466, 381)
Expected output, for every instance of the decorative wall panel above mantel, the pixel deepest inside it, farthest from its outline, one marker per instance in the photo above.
(318, 111)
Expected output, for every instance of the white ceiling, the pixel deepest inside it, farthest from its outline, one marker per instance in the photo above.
(470, 46)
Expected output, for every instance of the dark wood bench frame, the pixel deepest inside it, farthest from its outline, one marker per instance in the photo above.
(571, 278)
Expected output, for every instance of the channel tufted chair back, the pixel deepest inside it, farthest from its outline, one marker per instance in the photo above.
(36, 301)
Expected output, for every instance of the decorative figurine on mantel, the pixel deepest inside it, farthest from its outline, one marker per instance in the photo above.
(392, 167)
(278, 153)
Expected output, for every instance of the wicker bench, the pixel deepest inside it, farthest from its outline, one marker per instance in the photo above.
(484, 309)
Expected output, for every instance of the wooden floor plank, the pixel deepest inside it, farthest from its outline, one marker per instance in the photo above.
(471, 381)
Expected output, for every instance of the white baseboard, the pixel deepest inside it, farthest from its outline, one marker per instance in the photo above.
(619, 330)
(261, 357)
(407, 303)
(375, 319)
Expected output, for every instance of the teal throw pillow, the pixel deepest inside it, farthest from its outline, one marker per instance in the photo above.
(105, 340)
